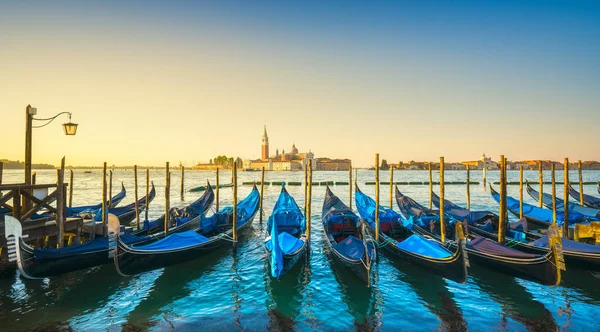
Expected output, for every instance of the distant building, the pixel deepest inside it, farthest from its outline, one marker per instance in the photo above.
(326, 164)
(484, 162)
(293, 160)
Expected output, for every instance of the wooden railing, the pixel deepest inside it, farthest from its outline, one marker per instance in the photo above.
(21, 203)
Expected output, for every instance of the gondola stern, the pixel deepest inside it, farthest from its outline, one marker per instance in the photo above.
(13, 232)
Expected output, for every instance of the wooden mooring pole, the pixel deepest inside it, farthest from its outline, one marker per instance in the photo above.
(309, 203)
(502, 212)
(377, 197)
(350, 187)
(60, 203)
(541, 191)
(305, 187)
(553, 194)
(566, 198)
(34, 178)
(104, 207)
(442, 223)
(110, 189)
(147, 193)
(521, 192)
(484, 177)
(262, 192)
(135, 190)
(580, 183)
(167, 198)
(217, 191)
(430, 187)
(234, 181)
(391, 187)
(182, 184)
(71, 188)
(468, 188)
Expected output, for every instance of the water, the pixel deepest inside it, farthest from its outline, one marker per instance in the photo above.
(227, 291)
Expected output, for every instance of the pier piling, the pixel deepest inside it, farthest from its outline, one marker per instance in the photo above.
(182, 185)
(468, 188)
(553, 194)
(167, 198)
(566, 198)
(234, 182)
(309, 203)
(377, 197)
(147, 193)
(71, 188)
(442, 223)
(350, 187)
(110, 189)
(217, 191)
(521, 192)
(580, 183)
(430, 187)
(502, 211)
(541, 191)
(484, 171)
(34, 178)
(305, 188)
(60, 204)
(135, 190)
(103, 199)
(262, 186)
(391, 186)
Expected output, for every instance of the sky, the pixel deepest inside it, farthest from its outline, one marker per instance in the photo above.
(156, 81)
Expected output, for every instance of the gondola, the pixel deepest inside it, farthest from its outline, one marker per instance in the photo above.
(485, 223)
(536, 217)
(402, 242)
(127, 213)
(286, 242)
(345, 239)
(589, 213)
(181, 219)
(482, 251)
(203, 188)
(212, 233)
(588, 200)
(114, 201)
(37, 263)
(79, 210)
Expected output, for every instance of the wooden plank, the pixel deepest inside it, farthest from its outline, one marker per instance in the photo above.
(40, 203)
(16, 211)
(20, 186)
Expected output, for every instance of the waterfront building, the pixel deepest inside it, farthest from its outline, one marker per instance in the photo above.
(293, 160)
(481, 163)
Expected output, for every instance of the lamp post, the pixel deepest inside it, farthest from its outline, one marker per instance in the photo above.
(70, 129)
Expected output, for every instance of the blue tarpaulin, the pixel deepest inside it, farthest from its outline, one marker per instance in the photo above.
(175, 241)
(424, 247)
(351, 247)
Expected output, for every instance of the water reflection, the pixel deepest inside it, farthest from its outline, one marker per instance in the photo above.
(514, 299)
(584, 284)
(286, 295)
(433, 291)
(359, 298)
(171, 285)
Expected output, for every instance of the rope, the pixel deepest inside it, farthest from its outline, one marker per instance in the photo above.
(227, 238)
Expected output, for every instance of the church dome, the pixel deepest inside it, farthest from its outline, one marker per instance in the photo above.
(294, 150)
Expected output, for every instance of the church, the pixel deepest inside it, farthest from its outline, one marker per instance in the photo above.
(284, 161)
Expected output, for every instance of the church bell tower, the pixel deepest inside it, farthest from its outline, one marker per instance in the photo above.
(265, 145)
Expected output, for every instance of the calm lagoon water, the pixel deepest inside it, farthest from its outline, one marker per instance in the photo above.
(232, 291)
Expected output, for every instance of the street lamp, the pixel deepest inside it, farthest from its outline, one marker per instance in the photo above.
(70, 129)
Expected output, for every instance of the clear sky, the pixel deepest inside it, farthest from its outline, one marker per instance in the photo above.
(150, 82)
